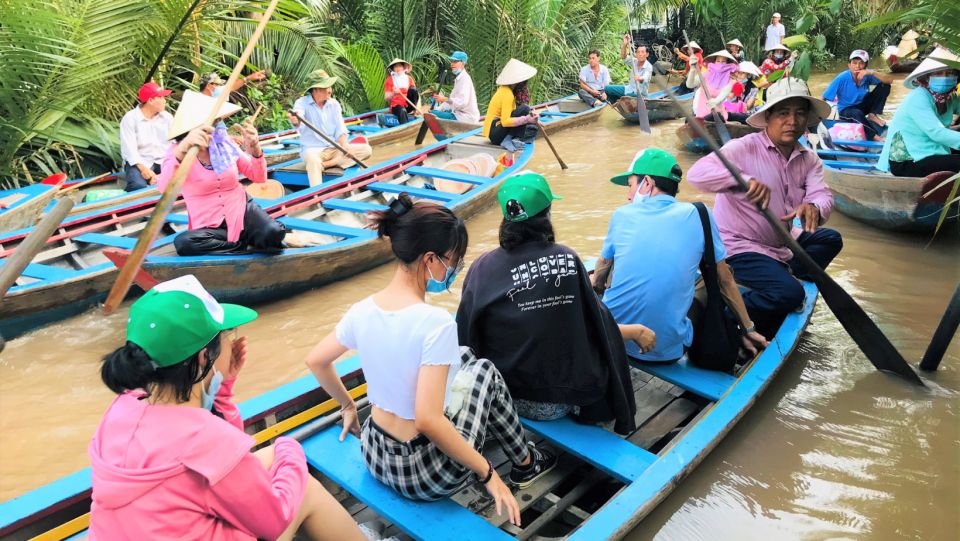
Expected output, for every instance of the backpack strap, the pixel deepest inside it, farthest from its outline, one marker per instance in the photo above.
(708, 265)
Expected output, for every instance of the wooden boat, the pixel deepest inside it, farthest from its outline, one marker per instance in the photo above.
(691, 142)
(22, 207)
(602, 488)
(74, 272)
(659, 106)
(882, 200)
(566, 112)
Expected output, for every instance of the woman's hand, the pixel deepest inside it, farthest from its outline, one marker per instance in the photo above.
(351, 420)
(238, 357)
(503, 498)
(197, 136)
(251, 139)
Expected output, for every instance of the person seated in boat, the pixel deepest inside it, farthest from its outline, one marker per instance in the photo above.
(717, 80)
(734, 105)
(777, 61)
(432, 402)
(854, 98)
(400, 91)
(212, 85)
(785, 177)
(654, 245)
(510, 122)
(170, 455)
(641, 73)
(318, 107)
(594, 77)
(143, 136)
(461, 105)
(735, 48)
(685, 72)
(223, 219)
(529, 307)
(748, 75)
(920, 140)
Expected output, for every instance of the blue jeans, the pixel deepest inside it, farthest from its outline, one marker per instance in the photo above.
(135, 180)
(773, 290)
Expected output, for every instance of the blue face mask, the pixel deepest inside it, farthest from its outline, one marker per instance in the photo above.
(778, 57)
(457, 71)
(437, 286)
(207, 396)
(942, 85)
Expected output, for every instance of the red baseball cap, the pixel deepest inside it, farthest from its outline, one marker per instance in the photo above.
(151, 90)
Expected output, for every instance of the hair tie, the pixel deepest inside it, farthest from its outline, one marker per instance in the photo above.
(398, 207)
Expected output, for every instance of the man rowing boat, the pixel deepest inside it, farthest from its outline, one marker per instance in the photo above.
(786, 177)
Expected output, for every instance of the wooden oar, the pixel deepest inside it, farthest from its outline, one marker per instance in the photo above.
(550, 144)
(717, 119)
(327, 138)
(857, 323)
(256, 113)
(942, 336)
(427, 125)
(159, 216)
(82, 184)
(643, 118)
(32, 244)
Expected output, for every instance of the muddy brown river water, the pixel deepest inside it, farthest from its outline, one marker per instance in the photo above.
(833, 450)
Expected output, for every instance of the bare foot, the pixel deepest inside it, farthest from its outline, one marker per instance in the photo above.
(874, 118)
(879, 138)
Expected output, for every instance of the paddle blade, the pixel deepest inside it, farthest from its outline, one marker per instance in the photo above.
(642, 117)
(422, 133)
(54, 179)
(874, 344)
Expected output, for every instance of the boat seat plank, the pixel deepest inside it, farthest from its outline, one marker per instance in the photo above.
(326, 228)
(343, 463)
(422, 193)
(709, 384)
(178, 218)
(848, 154)
(840, 164)
(433, 172)
(116, 241)
(863, 144)
(365, 128)
(352, 206)
(595, 445)
(46, 272)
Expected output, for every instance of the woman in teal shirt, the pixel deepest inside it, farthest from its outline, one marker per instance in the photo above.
(920, 141)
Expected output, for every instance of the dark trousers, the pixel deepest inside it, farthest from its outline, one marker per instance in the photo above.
(773, 290)
(928, 165)
(135, 180)
(873, 103)
(261, 233)
(402, 111)
(737, 117)
(498, 131)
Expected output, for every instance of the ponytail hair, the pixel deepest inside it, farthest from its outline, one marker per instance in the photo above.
(418, 228)
(130, 367)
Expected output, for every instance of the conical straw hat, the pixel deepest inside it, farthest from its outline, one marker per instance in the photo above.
(929, 65)
(693, 45)
(396, 61)
(194, 110)
(735, 42)
(515, 72)
(749, 68)
(724, 53)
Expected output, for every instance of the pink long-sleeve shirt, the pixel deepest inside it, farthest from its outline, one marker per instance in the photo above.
(179, 472)
(213, 199)
(792, 182)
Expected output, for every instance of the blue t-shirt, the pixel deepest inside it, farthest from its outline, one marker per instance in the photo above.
(656, 246)
(846, 91)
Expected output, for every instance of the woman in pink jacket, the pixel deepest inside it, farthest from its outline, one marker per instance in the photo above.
(170, 458)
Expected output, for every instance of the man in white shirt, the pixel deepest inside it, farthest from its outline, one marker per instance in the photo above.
(594, 77)
(461, 105)
(775, 32)
(641, 73)
(143, 136)
(323, 112)
(211, 84)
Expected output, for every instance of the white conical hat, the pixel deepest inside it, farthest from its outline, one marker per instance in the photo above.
(779, 46)
(515, 72)
(724, 53)
(784, 89)
(929, 65)
(194, 110)
(692, 44)
(735, 42)
(749, 68)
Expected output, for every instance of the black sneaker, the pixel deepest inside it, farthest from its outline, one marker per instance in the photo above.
(542, 462)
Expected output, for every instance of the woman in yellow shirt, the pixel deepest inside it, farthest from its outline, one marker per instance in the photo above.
(508, 114)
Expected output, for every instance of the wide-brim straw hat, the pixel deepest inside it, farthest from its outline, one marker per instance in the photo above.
(780, 47)
(749, 68)
(515, 72)
(735, 42)
(320, 79)
(396, 61)
(785, 89)
(194, 110)
(692, 44)
(929, 65)
(724, 53)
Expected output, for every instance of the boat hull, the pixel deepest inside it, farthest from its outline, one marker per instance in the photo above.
(572, 113)
(691, 142)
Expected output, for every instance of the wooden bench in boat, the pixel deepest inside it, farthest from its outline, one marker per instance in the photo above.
(709, 384)
(840, 164)
(352, 206)
(848, 154)
(433, 172)
(324, 228)
(417, 192)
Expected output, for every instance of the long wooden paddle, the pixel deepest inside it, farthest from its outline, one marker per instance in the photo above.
(30, 246)
(942, 336)
(550, 144)
(79, 185)
(159, 216)
(717, 119)
(427, 125)
(327, 138)
(643, 118)
(857, 323)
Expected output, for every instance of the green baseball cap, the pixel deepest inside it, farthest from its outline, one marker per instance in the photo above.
(320, 79)
(177, 318)
(524, 195)
(650, 161)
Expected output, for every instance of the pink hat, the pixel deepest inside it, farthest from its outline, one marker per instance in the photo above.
(151, 90)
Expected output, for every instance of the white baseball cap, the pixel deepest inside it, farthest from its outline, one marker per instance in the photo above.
(861, 54)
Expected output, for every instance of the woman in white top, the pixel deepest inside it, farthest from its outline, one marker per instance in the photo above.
(432, 403)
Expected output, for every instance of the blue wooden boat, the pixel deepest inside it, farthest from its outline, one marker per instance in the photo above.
(659, 106)
(560, 114)
(22, 207)
(75, 271)
(602, 488)
(691, 142)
